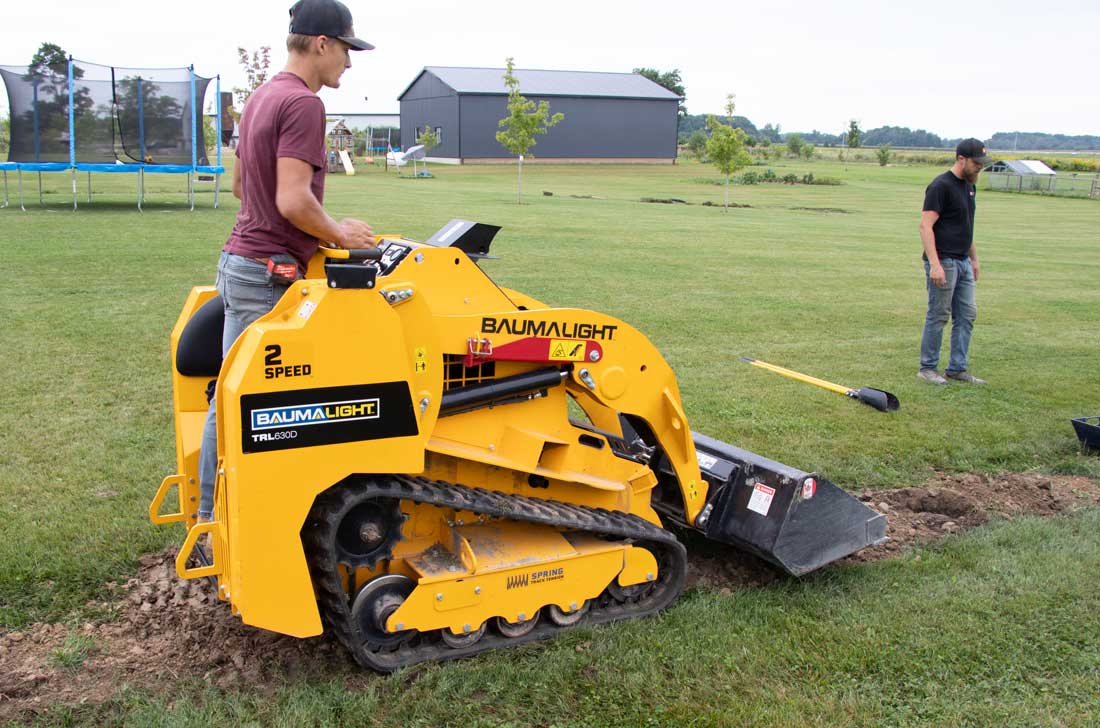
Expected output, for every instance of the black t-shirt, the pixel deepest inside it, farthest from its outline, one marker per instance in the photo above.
(953, 199)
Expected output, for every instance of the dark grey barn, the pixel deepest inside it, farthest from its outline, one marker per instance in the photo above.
(609, 117)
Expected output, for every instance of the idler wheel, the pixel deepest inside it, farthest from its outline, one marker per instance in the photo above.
(374, 604)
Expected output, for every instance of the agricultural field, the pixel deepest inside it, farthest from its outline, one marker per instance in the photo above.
(982, 611)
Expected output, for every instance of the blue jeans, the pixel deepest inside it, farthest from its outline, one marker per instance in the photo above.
(957, 301)
(247, 292)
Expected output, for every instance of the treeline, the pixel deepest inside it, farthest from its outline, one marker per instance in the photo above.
(691, 123)
(1008, 140)
(901, 136)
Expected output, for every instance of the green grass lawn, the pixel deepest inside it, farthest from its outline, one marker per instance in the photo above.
(995, 628)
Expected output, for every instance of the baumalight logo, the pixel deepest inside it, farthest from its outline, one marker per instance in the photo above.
(550, 329)
(272, 418)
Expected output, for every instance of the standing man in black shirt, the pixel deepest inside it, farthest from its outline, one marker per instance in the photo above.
(951, 264)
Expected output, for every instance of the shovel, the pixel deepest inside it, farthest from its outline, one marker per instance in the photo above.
(877, 398)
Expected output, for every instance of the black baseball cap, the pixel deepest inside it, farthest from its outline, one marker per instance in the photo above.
(972, 149)
(325, 17)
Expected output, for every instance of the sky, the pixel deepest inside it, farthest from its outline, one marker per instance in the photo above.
(955, 69)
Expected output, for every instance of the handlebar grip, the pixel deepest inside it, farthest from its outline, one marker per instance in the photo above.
(353, 254)
(365, 253)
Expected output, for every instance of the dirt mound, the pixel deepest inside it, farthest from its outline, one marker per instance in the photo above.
(164, 631)
(946, 505)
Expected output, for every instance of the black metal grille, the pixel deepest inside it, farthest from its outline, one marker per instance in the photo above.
(457, 374)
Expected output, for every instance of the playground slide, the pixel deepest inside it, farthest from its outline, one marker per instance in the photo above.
(346, 160)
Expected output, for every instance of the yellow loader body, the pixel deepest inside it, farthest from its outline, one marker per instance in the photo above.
(432, 465)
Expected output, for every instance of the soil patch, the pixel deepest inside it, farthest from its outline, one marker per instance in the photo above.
(165, 631)
(666, 200)
(832, 210)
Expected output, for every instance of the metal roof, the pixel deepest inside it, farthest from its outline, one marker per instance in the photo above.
(548, 83)
(1024, 166)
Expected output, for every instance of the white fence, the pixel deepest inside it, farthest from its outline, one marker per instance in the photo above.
(1064, 184)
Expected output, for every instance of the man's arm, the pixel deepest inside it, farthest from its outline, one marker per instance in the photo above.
(238, 189)
(974, 260)
(296, 202)
(928, 218)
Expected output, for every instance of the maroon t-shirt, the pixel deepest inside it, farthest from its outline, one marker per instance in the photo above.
(282, 118)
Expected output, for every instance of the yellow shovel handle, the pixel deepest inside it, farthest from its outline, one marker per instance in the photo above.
(839, 389)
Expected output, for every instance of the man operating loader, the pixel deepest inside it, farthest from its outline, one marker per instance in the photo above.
(279, 178)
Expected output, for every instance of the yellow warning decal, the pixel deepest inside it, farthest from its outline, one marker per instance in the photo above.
(567, 349)
(421, 361)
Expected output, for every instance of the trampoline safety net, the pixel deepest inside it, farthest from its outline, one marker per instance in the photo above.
(128, 115)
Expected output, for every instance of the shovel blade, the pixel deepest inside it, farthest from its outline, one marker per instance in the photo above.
(877, 398)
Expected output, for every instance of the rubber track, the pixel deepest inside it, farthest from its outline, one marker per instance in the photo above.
(319, 539)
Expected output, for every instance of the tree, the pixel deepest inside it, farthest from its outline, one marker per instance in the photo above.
(808, 151)
(854, 133)
(883, 154)
(428, 138)
(726, 146)
(51, 58)
(48, 72)
(255, 70)
(794, 144)
(698, 145)
(670, 80)
(851, 138)
(524, 122)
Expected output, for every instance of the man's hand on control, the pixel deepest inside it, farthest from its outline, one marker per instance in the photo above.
(355, 234)
(937, 275)
(976, 268)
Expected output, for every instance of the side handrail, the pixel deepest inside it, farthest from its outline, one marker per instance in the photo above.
(162, 492)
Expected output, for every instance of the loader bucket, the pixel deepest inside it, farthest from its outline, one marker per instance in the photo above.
(794, 519)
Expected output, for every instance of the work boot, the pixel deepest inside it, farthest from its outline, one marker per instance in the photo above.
(931, 376)
(965, 376)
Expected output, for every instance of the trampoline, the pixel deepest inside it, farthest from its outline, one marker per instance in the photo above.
(77, 117)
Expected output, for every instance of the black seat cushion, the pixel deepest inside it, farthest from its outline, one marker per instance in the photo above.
(199, 353)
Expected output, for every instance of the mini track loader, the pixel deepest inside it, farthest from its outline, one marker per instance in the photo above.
(398, 462)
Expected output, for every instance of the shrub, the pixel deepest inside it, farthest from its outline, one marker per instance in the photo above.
(883, 154)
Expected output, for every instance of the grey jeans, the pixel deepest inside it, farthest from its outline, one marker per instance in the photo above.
(248, 292)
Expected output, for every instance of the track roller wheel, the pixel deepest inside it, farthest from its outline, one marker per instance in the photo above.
(373, 606)
(458, 641)
(563, 618)
(516, 629)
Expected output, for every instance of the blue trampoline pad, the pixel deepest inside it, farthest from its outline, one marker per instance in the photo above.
(43, 166)
(110, 168)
